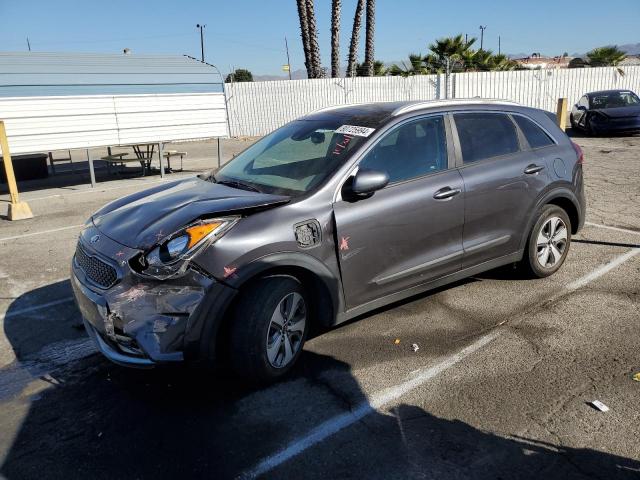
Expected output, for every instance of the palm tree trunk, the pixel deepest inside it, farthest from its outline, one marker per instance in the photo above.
(335, 38)
(313, 40)
(369, 53)
(355, 38)
(304, 32)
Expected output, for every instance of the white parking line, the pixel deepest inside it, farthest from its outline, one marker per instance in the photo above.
(339, 422)
(617, 229)
(35, 308)
(30, 234)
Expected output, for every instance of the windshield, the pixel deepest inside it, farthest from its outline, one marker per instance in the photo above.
(292, 160)
(615, 99)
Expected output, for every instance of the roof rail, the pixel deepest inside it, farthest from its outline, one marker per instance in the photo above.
(457, 101)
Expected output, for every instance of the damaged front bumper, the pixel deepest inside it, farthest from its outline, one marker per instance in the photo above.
(139, 321)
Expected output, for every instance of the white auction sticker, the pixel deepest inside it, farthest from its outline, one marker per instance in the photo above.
(355, 130)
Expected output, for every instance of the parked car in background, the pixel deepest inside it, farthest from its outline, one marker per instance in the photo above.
(331, 216)
(607, 111)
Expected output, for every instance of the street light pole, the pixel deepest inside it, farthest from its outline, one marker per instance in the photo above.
(201, 41)
(482, 29)
(286, 45)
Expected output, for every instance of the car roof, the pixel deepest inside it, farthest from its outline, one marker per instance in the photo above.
(604, 92)
(377, 113)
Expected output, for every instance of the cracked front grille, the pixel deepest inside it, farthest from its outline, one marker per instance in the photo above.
(95, 269)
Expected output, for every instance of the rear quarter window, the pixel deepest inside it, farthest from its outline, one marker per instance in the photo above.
(536, 137)
(485, 135)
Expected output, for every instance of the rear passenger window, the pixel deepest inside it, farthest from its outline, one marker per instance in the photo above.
(485, 135)
(411, 150)
(533, 133)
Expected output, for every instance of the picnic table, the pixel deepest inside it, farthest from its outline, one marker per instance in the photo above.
(143, 154)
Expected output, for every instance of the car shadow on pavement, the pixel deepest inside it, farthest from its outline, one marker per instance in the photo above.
(98, 420)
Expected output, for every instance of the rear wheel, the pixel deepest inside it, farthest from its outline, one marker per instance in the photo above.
(548, 242)
(269, 328)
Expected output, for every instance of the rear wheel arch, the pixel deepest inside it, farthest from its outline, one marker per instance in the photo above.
(563, 198)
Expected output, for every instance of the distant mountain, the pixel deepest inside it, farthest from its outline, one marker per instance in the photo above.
(630, 48)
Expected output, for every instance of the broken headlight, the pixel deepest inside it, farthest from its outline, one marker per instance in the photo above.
(171, 256)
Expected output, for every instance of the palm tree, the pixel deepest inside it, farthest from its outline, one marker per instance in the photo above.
(304, 32)
(606, 56)
(379, 70)
(454, 49)
(416, 66)
(355, 38)
(335, 38)
(314, 48)
(369, 41)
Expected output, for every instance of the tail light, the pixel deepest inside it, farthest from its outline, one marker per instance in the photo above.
(579, 152)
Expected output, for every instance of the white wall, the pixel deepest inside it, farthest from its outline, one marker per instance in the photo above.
(256, 108)
(41, 124)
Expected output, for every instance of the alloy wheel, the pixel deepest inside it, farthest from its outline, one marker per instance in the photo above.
(286, 330)
(551, 242)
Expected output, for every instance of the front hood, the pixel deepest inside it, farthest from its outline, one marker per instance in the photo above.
(618, 112)
(142, 219)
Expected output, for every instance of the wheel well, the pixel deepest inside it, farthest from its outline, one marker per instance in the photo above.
(568, 206)
(321, 309)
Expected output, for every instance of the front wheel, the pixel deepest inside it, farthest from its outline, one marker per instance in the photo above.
(269, 328)
(548, 243)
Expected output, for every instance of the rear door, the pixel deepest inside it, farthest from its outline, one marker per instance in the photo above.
(410, 231)
(502, 180)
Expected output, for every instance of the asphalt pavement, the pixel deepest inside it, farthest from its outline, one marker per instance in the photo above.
(499, 387)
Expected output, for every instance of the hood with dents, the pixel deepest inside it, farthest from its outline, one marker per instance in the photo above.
(618, 112)
(142, 219)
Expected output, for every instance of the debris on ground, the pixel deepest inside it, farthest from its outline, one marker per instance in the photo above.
(397, 341)
(415, 347)
(599, 406)
(636, 377)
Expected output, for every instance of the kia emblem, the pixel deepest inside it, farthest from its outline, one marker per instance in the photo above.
(95, 239)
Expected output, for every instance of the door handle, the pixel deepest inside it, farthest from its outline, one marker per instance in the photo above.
(533, 168)
(445, 193)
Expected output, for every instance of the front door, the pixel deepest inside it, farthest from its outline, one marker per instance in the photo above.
(409, 232)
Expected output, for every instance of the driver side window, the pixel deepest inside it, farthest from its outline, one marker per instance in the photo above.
(411, 150)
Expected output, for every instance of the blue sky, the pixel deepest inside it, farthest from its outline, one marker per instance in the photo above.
(250, 33)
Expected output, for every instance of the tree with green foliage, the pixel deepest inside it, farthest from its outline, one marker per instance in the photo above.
(606, 56)
(415, 66)
(240, 75)
(455, 54)
(379, 70)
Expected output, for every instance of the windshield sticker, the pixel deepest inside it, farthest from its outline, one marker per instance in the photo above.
(340, 146)
(355, 130)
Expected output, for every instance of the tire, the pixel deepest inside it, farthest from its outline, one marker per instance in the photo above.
(266, 339)
(543, 255)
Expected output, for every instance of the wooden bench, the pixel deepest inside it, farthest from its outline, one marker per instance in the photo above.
(168, 154)
(119, 159)
(53, 161)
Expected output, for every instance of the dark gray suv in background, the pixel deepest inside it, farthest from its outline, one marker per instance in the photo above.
(333, 215)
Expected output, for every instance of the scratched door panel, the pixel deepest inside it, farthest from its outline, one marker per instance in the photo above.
(400, 237)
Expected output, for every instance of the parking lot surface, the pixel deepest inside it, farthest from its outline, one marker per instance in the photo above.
(499, 387)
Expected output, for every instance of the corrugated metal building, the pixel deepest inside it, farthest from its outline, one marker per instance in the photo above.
(60, 100)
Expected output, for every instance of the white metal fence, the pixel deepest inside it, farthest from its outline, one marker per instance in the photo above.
(256, 108)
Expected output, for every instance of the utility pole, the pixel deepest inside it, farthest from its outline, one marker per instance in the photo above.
(466, 38)
(499, 51)
(201, 41)
(482, 29)
(286, 46)
(28, 44)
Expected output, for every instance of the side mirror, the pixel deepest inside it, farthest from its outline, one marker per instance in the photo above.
(368, 181)
(581, 107)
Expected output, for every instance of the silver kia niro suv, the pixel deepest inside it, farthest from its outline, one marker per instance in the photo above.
(333, 215)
